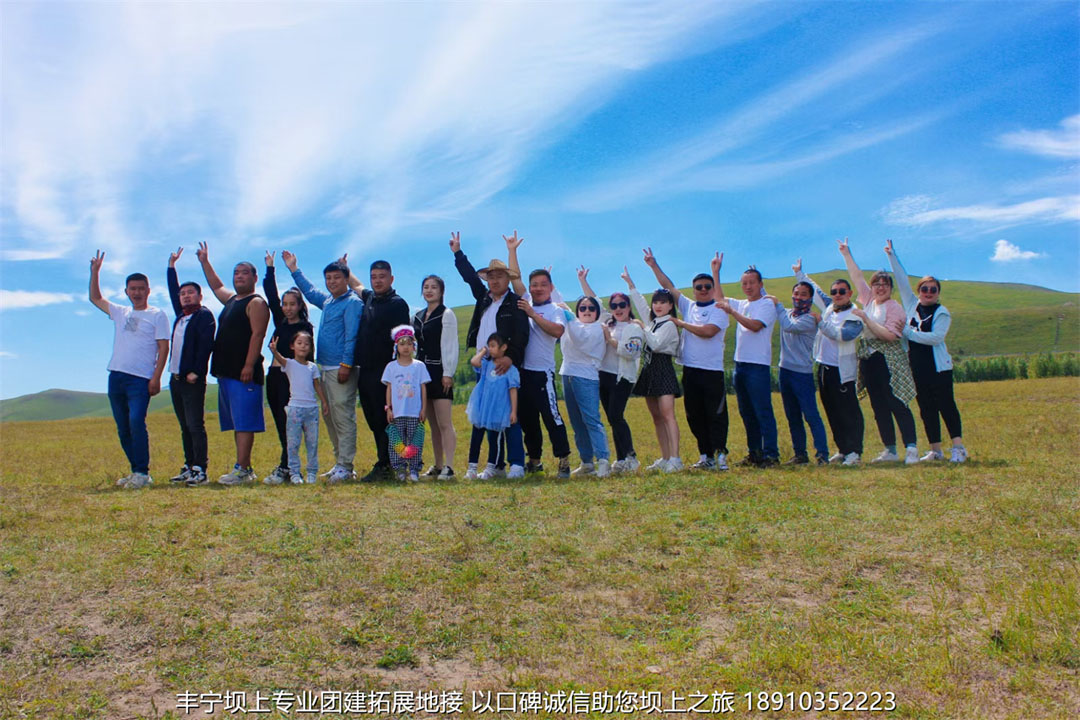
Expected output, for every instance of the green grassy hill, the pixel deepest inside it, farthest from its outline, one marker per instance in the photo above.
(988, 319)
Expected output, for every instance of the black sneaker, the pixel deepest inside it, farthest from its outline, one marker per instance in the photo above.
(182, 476)
(769, 462)
(822, 460)
(196, 478)
(379, 473)
(534, 466)
(564, 467)
(751, 460)
(447, 473)
(798, 460)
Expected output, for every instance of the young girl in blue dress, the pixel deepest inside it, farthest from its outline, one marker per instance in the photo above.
(492, 410)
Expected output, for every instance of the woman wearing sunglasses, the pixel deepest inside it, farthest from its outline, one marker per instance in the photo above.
(837, 369)
(618, 371)
(931, 365)
(583, 346)
(884, 370)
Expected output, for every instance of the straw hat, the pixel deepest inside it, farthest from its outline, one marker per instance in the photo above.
(498, 265)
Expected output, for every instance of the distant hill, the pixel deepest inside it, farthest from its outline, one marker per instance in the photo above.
(988, 319)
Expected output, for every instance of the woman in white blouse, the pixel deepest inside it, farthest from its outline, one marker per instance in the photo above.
(436, 331)
(583, 346)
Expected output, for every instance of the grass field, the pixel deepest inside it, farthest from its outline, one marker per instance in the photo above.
(956, 588)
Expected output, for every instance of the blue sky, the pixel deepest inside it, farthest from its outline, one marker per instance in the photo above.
(765, 130)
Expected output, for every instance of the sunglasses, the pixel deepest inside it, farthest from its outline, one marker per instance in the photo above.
(928, 289)
(838, 291)
(588, 308)
(618, 305)
(702, 287)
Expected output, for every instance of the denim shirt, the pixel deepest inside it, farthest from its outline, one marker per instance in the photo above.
(336, 341)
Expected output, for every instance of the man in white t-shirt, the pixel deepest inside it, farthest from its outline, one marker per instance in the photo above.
(536, 398)
(701, 353)
(140, 351)
(756, 317)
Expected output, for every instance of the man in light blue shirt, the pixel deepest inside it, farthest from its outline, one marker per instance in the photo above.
(334, 349)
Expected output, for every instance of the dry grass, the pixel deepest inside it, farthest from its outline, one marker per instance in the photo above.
(954, 587)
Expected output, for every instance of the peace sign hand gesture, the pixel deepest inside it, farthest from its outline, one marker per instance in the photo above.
(269, 259)
(203, 253)
(96, 261)
(649, 258)
(455, 241)
(173, 257)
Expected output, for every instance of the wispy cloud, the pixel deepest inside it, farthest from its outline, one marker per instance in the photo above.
(19, 299)
(1005, 251)
(1063, 142)
(916, 210)
(8, 355)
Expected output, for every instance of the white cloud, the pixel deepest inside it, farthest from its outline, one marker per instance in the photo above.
(916, 210)
(1063, 142)
(1005, 251)
(8, 355)
(18, 299)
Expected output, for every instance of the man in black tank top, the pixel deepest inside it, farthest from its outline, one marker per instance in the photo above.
(237, 361)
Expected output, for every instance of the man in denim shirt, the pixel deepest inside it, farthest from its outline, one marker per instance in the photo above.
(336, 342)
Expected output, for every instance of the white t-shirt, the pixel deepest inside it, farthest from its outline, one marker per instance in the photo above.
(178, 343)
(582, 349)
(487, 322)
(755, 347)
(135, 341)
(540, 352)
(405, 382)
(301, 383)
(699, 352)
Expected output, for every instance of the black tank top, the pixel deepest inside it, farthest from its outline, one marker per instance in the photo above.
(429, 339)
(231, 343)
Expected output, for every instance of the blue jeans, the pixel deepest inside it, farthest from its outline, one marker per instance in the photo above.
(753, 390)
(129, 396)
(302, 423)
(583, 406)
(797, 391)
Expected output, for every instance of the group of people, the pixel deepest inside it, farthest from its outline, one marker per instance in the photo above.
(402, 368)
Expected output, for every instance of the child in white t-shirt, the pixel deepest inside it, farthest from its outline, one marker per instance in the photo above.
(406, 380)
(302, 412)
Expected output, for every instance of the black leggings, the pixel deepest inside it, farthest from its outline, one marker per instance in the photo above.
(277, 397)
(705, 402)
(841, 404)
(614, 394)
(886, 406)
(935, 396)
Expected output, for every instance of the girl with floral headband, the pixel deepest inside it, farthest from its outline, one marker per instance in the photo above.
(406, 380)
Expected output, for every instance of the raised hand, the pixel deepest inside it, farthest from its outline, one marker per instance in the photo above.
(269, 259)
(582, 273)
(625, 275)
(96, 261)
(203, 253)
(344, 259)
(273, 343)
(717, 262)
(649, 258)
(455, 241)
(173, 257)
(888, 247)
(797, 267)
(845, 250)
(513, 242)
(289, 259)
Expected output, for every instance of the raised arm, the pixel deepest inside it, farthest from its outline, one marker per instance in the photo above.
(907, 295)
(664, 280)
(715, 264)
(212, 279)
(857, 279)
(465, 268)
(95, 289)
(583, 280)
(314, 295)
(821, 298)
(512, 244)
(273, 300)
(173, 282)
(278, 357)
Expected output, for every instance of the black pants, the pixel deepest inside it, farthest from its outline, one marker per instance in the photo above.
(277, 397)
(841, 404)
(614, 394)
(886, 406)
(536, 401)
(935, 396)
(373, 401)
(189, 400)
(705, 401)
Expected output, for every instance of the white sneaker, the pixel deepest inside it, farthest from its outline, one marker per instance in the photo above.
(705, 463)
(312, 478)
(122, 482)
(959, 454)
(340, 473)
(516, 472)
(447, 473)
(238, 476)
(138, 480)
(721, 462)
(433, 472)
(851, 459)
(630, 464)
(413, 477)
(197, 477)
(295, 479)
(675, 464)
(275, 478)
(668, 466)
(838, 457)
(603, 468)
(583, 469)
(932, 456)
(659, 464)
(911, 456)
(470, 473)
(885, 456)
(491, 472)
(618, 467)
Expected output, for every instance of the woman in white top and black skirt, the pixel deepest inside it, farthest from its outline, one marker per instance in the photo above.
(657, 382)
(438, 347)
